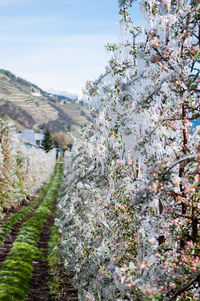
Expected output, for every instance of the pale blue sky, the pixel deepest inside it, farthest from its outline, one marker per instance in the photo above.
(57, 43)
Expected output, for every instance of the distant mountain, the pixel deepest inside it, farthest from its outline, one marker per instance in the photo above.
(28, 106)
(61, 92)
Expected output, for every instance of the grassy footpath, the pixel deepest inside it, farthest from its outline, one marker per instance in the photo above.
(17, 269)
(54, 285)
(55, 288)
(7, 227)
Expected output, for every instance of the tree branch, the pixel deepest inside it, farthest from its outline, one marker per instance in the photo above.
(185, 287)
(179, 161)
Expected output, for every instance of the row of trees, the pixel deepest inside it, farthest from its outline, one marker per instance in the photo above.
(22, 170)
(129, 208)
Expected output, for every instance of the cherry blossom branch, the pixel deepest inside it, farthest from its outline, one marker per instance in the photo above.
(181, 118)
(164, 59)
(179, 161)
(185, 287)
(101, 77)
(124, 86)
(159, 87)
(185, 216)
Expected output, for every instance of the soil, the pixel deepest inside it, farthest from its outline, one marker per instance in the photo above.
(38, 289)
(66, 281)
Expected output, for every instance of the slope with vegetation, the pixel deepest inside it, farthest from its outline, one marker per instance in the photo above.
(31, 107)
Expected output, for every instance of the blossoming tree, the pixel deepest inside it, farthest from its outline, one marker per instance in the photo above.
(129, 207)
(22, 170)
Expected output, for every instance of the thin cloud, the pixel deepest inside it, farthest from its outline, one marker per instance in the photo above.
(69, 1)
(56, 43)
(12, 2)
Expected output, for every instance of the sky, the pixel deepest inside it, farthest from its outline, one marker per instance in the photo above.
(57, 44)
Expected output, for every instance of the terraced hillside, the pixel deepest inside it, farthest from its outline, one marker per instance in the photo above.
(78, 112)
(31, 107)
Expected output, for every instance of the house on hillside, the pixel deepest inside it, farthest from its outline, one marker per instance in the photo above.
(31, 138)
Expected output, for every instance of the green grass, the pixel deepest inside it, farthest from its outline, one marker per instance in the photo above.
(55, 288)
(7, 227)
(17, 269)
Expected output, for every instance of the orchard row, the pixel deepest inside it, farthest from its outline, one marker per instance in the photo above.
(129, 212)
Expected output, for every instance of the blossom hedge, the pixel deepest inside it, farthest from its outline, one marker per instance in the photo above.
(22, 170)
(129, 204)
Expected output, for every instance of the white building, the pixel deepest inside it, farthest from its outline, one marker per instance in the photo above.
(31, 137)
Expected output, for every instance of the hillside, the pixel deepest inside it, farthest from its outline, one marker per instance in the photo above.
(28, 106)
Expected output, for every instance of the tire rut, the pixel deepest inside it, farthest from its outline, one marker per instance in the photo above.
(66, 282)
